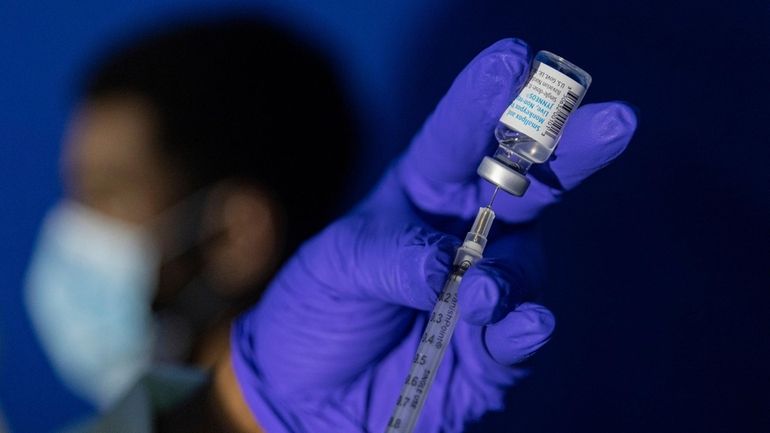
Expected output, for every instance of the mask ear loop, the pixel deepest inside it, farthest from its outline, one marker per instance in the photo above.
(179, 230)
(181, 226)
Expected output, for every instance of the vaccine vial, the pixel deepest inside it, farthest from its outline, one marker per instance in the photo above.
(531, 126)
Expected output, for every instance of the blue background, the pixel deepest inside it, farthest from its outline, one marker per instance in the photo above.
(658, 265)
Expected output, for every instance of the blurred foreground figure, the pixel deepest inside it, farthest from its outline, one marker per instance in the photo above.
(182, 168)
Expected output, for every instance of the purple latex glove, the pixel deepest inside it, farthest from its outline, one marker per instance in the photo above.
(329, 345)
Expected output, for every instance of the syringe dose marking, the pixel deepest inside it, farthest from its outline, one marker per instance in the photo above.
(442, 319)
(439, 329)
(433, 343)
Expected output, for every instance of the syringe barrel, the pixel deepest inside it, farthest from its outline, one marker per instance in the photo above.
(439, 329)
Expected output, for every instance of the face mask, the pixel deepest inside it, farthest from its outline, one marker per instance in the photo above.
(88, 291)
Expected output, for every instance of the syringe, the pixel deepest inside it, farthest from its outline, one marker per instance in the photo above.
(439, 329)
(522, 143)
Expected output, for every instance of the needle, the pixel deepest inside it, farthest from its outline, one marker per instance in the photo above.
(492, 200)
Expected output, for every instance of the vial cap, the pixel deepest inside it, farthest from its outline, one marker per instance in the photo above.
(499, 174)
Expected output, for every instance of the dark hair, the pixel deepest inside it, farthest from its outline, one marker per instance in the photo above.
(238, 98)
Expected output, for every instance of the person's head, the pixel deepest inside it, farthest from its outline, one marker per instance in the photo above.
(234, 108)
(224, 143)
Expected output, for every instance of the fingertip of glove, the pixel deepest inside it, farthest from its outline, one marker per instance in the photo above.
(478, 299)
(496, 73)
(513, 46)
(439, 259)
(616, 119)
(522, 333)
(535, 319)
(428, 262)
(612, 124)
(507, 59)
(594, 137)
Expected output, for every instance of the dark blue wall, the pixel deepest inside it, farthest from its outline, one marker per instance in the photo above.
(658, 266)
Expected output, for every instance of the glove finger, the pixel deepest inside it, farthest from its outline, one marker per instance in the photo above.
(520, 334)
(511, 274)
(366, 258)
(595, 135)
(461, 127)
(490, 290)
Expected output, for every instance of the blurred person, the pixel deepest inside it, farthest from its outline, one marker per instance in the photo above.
(197, 158)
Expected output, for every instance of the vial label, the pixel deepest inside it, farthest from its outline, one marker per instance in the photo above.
(543, 105)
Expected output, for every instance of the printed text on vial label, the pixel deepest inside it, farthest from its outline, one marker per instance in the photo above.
(541, 108)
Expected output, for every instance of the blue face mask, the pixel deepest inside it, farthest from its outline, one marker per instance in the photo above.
(88, 292)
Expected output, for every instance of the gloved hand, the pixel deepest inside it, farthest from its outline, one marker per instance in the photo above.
(329, 346)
